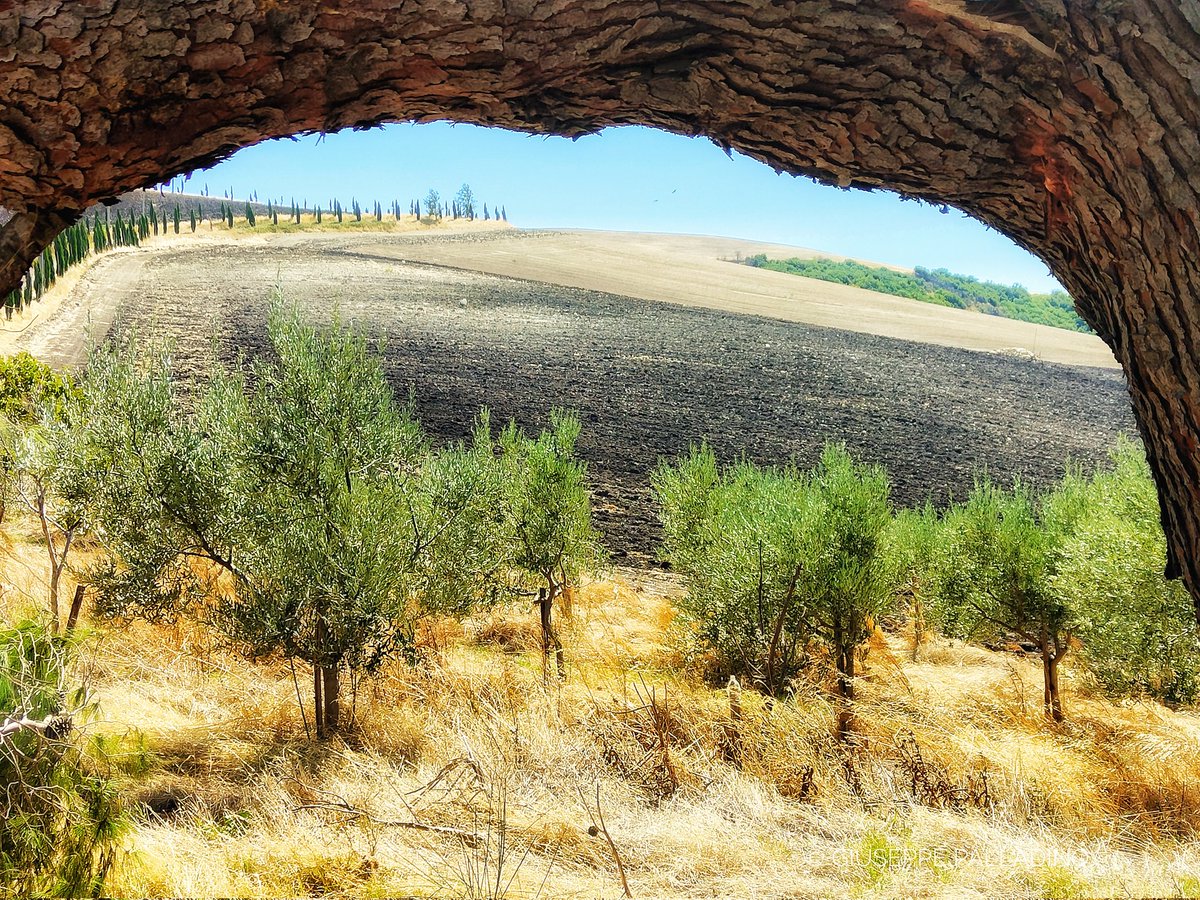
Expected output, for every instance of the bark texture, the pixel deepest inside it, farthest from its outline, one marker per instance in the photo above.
(1071, 125)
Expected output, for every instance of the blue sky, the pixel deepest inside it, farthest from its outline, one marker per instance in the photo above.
(625, 179)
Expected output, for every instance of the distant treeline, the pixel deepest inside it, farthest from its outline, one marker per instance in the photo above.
(939, 286)
(138, 215)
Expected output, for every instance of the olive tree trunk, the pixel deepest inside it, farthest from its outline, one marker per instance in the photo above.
(1070, 126)
(1053, 651)
(551, 645)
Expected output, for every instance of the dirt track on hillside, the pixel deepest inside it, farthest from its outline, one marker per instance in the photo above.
(647, 378)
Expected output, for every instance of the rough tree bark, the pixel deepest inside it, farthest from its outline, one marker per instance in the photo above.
(1070, 125)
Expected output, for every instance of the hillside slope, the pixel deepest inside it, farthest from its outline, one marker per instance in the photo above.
(701, 271)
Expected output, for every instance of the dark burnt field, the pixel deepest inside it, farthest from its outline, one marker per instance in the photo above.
(647, 379)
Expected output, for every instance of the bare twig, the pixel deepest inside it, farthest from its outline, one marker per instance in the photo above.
(600, 828)
(300, 700)
(470, 838)
(13, 726)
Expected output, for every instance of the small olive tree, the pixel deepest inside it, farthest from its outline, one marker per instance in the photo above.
(39, 426)
(45, 478)
(290, 508)
(1137, 629)
(850, 579)
(997, 570)
(776, 558)
(547, 518)
(742, 538)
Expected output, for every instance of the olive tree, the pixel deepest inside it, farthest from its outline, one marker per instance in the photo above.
(742, 539)
(44, 477)
(331, 530)
(996, 578)
(547, 517)
(469, 563)
(1137, 629)
(39, 425)
(287, 503)
(849, 577)
(775, 558)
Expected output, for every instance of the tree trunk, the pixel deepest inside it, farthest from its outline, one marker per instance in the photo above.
(550, 642)
(318, 700)
(55, 575)
(1053, 701)
(918, 625)
(1070, 126)
(845, 688)
(1052, 655)
(55, 563)
(332, 692)
(845, 673)
(76, 606)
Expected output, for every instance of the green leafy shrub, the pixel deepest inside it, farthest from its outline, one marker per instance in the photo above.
(29, 388)
(775, 558)
(1138, 630)
(60, 816)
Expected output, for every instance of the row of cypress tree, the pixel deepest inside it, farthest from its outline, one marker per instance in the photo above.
(95, 233)
(98, 233)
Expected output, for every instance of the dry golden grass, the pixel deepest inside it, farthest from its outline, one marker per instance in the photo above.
(467, 776)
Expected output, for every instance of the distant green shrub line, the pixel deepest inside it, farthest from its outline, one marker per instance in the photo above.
(939, 286)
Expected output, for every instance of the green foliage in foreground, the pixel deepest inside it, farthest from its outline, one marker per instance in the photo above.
(941, 287)
(60, 813)
(777, 558)
(1138, 630)
(300, 510)
(29, 387)
(778, 561)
